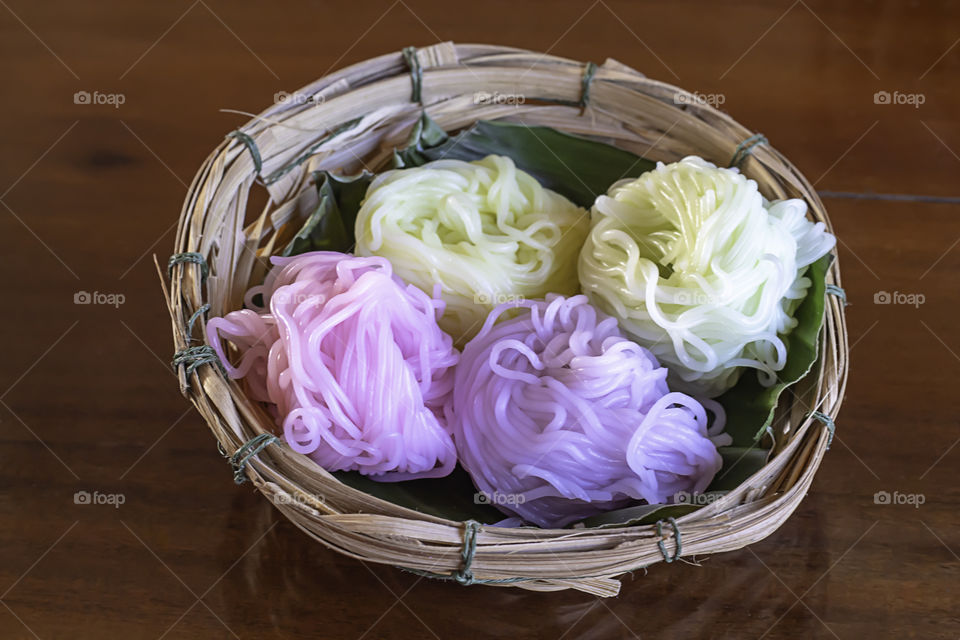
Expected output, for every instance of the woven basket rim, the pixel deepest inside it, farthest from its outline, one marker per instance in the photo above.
(625, 108)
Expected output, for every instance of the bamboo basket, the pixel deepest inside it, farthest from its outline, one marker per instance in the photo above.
(353, 119)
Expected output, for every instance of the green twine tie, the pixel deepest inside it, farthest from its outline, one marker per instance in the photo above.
(251, 147)
(663, 547)
(193, 357)
(464, 575)
(193, 318)
(416, 73)
(828, 423)
(745, 148)
(588, 74)
(188, 256)
(470, 530)
(833, 289)
(250, 448)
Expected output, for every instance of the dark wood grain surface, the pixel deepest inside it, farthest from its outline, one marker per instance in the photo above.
(90, 191)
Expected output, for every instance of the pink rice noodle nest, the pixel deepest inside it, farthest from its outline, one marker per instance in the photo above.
(351, 357)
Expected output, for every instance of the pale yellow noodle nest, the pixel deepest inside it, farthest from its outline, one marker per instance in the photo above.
(486, 231)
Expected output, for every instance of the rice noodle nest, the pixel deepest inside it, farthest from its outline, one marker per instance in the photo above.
(486, 231)
(357, 371)
(558, 416)
(701, 269)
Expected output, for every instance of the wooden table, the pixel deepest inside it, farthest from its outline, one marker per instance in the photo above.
(91, 191)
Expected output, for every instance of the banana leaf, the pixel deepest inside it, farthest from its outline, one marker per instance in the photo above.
(453, 496)
(578, 168)
(331, 225)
